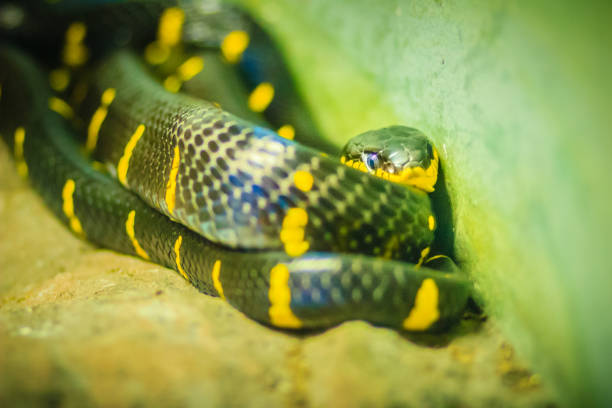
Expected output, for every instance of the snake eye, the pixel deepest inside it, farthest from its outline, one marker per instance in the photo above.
(371, 160)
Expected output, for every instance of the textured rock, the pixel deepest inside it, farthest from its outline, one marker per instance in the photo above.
(83, 326)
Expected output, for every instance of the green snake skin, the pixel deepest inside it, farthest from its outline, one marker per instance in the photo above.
(43, 24)
(313, 290)
(238, 184)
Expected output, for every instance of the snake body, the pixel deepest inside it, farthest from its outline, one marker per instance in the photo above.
(243, 185)
(266, 206)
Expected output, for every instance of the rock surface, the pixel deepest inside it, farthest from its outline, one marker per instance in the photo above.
(83, 326)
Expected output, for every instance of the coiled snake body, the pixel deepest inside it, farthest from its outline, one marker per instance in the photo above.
(279, 220)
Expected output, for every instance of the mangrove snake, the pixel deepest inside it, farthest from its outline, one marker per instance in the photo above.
(268, 206)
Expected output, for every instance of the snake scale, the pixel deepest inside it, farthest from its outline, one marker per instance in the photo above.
(286, 234)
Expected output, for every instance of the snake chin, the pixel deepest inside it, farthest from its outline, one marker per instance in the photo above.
(399, 154)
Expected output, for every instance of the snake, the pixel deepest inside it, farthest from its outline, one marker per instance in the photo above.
(280, 241)
(187, 158)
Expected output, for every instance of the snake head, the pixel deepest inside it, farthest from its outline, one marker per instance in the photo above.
(398, 153)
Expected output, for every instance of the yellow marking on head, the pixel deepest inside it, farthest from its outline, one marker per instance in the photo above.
(172, 83)
(424, 179)
(357, 165)
(425, 310)
(68, 206)
(156, 54)
(286, 131)
(217, 105)
(303, 180)
(216, 281)
(60, 106)
(261, 97)
(75, 53)
(97, 119)
(59, 79)
(124, 161)
(233, 45)
(424, 254)
(171, 184)
(177, 253)
(293, 232)
(22, 167)
(170, 27)
(129, 229)
(190, 68)
(279, 295)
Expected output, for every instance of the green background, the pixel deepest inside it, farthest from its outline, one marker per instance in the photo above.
(516, 96)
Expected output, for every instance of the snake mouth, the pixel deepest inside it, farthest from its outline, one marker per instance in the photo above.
(414, 175)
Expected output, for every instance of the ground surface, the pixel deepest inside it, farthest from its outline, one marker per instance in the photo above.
(83, 326)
